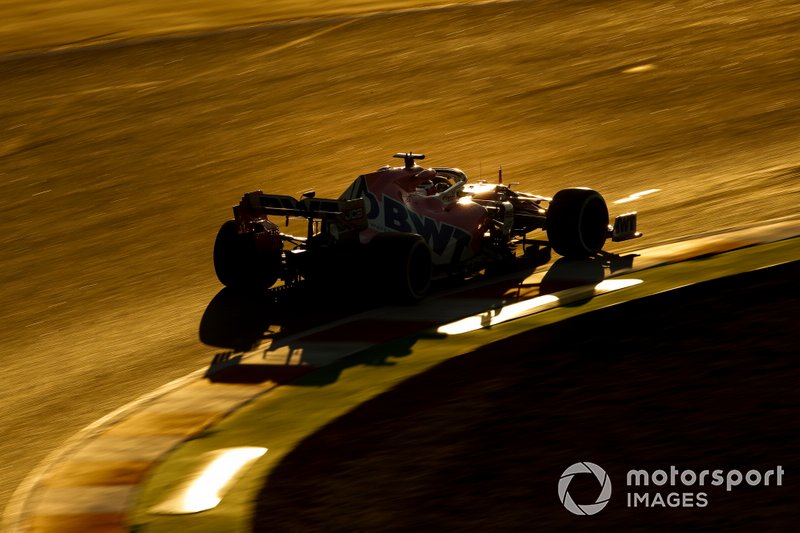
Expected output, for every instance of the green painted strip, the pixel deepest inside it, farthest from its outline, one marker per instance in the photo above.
(282, 418)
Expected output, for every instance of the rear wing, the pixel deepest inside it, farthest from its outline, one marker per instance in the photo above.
(345, 215)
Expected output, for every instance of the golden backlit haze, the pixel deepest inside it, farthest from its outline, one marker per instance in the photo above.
(118, 163)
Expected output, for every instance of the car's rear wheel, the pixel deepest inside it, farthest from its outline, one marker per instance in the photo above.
(238, 262)
(403, 265)
(577, 222)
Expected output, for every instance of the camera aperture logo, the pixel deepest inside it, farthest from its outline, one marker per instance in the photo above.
(590, 508)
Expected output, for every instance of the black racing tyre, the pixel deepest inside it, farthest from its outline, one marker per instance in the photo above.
(577, 222)
(237, 263)
(403, 265)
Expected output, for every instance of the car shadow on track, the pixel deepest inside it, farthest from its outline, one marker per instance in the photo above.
(248, 322)
(241, 321)
(570, 273)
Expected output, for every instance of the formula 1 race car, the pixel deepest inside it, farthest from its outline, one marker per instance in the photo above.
(403, 227)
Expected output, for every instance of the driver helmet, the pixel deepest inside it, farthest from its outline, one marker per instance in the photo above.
(425, 188)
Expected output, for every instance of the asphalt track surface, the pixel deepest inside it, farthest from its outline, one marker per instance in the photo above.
(118, 163)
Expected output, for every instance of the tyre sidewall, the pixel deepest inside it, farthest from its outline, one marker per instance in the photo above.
(577, 222)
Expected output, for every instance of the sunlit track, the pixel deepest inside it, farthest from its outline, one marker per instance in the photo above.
(134, 31)
(636, 196)
(205, 490)
(202, 75)
(538, 304)
(119, 162)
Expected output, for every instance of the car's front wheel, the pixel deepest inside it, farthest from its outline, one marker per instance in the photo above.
(577, 222)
